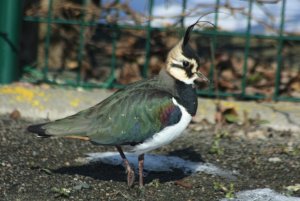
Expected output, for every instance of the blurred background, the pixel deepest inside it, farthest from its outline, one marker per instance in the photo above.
(251, 53)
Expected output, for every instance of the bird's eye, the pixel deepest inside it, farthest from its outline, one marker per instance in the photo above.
(185, 64)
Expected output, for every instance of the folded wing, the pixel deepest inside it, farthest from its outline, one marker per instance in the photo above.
(127, 117)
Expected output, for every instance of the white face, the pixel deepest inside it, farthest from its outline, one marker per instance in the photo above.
(186, 74)
(180, 67)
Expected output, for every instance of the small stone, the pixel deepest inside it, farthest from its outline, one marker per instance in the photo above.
(15, 115)
(81, 160)
(82, 185)
(274, 160)
(259, 134)
(293, 188)
(197, 127)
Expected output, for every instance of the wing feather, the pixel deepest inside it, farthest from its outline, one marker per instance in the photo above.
(129, 116)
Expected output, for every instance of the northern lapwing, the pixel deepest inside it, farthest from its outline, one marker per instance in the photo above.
(143, 116)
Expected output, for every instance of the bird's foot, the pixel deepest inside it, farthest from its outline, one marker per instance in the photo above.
(141, 191)
(130, 177)
(142, 187)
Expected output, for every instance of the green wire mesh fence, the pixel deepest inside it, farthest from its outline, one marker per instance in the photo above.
(111, 32)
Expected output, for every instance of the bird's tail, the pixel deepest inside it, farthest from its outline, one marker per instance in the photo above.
(38, 129)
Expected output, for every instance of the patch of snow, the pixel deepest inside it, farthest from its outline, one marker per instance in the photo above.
(160, 163)
(264, 194)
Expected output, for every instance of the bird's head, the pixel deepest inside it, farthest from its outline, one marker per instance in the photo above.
(183, 62)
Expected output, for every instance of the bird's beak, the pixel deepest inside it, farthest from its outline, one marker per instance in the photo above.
(201, 77)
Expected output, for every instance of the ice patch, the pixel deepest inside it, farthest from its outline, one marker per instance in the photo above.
(264, 194)
(160, 163)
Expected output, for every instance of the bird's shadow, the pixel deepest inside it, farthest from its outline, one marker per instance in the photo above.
(106, 172)
(187, 154)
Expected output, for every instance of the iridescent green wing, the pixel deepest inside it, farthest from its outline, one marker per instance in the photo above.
(134, 118)
(129, 116)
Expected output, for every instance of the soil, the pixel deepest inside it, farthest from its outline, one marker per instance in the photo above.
(34, 168)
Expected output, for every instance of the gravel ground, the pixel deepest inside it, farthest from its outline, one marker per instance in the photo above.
(32, 168)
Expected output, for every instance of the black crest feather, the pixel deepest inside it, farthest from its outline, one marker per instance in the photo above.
(186, 49)
(190, 28)
(187, 33)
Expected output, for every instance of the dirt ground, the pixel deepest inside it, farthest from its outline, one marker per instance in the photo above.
(32, 168)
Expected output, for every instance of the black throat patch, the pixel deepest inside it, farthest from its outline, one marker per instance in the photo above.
(187, 97)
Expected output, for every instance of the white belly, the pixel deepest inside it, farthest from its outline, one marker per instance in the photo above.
(166, 135)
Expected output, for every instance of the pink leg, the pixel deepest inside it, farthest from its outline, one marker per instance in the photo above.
(129, 170)
(141, 167)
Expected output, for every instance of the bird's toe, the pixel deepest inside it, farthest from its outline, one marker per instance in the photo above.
(130, 177)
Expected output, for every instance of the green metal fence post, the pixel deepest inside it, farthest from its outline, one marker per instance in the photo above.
(81, 42)
(247, 48)
(10, 21)
(47, 39)
(213, 44)
(113, 61)
(148, 38)
(279, 52)
(182, 17)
